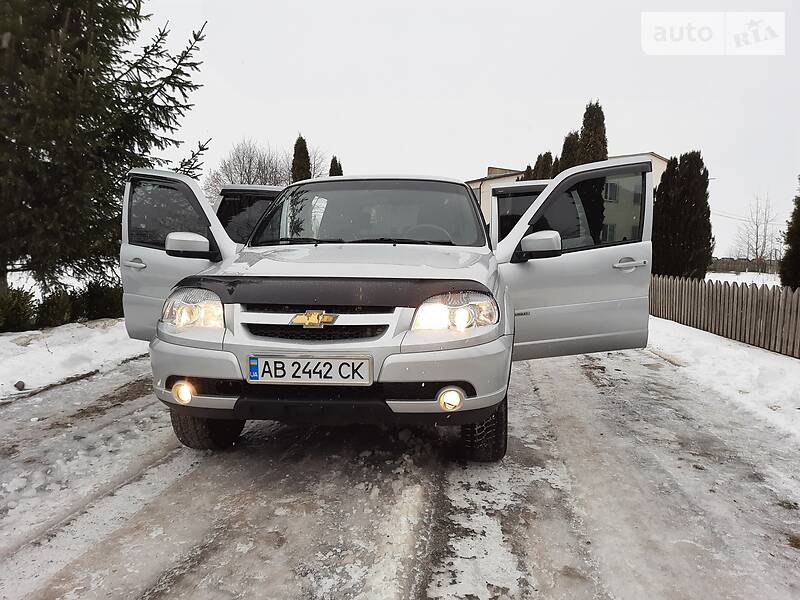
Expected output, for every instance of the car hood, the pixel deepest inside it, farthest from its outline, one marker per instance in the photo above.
(402, 261)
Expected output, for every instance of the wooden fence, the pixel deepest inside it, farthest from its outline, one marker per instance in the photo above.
(768, 317)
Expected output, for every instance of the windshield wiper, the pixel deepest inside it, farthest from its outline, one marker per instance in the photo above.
(302, 240)
(391, 240)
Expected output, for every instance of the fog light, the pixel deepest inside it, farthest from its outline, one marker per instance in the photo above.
(451, 398)
(182, 391)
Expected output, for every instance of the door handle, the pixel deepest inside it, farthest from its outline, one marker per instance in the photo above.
(629, 264)
(136, 263)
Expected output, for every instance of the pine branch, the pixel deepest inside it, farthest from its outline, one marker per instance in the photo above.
(192, 165)
(147, 57)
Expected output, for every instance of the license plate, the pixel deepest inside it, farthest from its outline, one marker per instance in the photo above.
(310, 370)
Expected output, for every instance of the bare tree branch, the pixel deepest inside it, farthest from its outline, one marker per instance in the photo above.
(253, 164)
(758, 237)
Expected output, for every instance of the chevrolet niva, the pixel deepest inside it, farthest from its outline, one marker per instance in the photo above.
(380, 299)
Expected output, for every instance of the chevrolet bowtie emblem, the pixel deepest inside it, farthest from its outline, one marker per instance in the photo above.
(313, 319)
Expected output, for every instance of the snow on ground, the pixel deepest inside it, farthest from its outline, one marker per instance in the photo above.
(770, 279)
(40, 358)
(764, 382)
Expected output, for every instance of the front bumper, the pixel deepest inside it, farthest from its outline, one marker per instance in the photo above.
(485, 367)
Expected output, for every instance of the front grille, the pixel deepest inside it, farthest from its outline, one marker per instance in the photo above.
(301, 308)
(323, 334)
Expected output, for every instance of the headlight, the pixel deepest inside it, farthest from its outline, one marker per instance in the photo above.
(456, 311)
(193, 307)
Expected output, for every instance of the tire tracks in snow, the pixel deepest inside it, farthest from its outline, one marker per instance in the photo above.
(34, 563)
(509, 529)
(59, 476)
(291, 512)
(53, 526)
(592, 501)
(661, 480)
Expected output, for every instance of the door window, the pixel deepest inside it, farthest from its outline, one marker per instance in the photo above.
(157, 209)
(240, 213)
(596, 212)
(510, 209)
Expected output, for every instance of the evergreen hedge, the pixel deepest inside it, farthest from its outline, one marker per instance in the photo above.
(19, 310)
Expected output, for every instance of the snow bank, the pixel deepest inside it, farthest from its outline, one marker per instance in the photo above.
(769, 279)
(765, 383)
(40, 358)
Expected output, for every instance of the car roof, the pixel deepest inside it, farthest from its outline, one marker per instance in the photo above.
(233, 188)
(380, 177)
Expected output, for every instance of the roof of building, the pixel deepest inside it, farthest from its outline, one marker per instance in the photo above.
(509, 173)
(656, 154)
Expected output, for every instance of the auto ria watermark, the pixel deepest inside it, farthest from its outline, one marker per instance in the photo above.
(714, 33)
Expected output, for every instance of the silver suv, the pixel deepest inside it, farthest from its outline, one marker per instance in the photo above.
(380, 299)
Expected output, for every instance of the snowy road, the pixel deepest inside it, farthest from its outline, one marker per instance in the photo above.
(624, 479)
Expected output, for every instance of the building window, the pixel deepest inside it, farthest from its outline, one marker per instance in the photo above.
(609, 229)
(610, 192)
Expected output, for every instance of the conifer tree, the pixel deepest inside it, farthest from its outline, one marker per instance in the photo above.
(593, 144)
(543, 166)
(301, 162)
(682, 239)
(556, 168)
(790, 265)
(81, 103)
(569, 151)
(527, 174)
(336, 167)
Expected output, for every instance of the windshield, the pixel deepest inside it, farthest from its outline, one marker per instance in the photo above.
(373, 211)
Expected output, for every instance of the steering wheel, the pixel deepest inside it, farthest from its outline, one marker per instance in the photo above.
(425, 227)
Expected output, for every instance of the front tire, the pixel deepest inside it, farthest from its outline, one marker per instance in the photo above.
(487, 440)
(205, 434)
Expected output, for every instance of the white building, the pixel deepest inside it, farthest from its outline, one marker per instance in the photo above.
(498, 177)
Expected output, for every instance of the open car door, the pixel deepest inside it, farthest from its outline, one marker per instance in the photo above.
(577, 262)
(159, 205)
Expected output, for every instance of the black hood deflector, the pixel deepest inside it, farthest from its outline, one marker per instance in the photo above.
(339, 291)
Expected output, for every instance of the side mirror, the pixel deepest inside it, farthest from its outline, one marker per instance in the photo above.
(539, 244)
(185, 244)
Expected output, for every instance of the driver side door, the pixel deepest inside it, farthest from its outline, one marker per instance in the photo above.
(592, 294)
(157, 203)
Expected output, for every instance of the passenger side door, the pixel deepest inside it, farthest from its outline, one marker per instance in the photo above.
(591, 293)
(157, 203)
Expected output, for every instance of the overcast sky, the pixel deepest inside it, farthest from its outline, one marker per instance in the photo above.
(451, 87)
